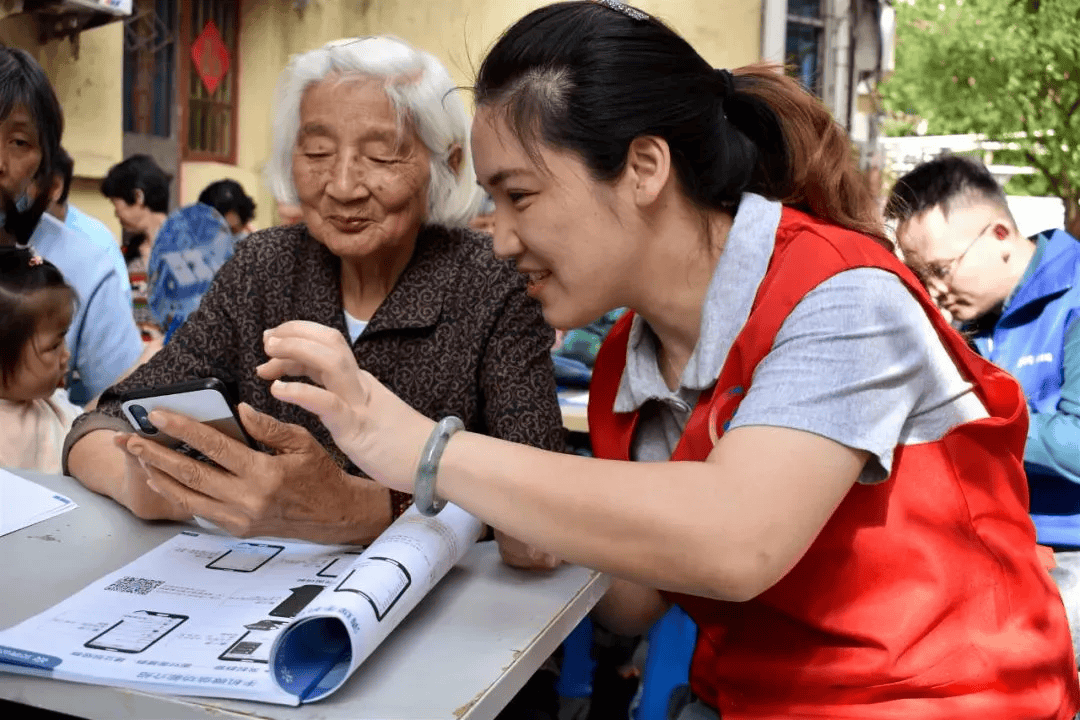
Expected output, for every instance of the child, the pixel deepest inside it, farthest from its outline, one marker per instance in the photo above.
(36, 307)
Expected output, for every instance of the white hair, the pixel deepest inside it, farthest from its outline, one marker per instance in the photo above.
(419, 88)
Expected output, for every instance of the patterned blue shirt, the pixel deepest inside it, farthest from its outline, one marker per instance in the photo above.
(189, 249)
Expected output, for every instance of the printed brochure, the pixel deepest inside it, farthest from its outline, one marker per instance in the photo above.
(261, 619)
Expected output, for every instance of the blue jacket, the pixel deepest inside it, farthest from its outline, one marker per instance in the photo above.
(1035, 340)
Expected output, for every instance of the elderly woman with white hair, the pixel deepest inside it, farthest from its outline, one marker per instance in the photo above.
(371, 142)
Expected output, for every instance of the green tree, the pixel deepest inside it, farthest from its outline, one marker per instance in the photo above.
(1006, 68)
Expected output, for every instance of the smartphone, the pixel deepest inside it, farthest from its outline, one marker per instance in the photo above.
(136, 631)
(205, 400)
(245, 557)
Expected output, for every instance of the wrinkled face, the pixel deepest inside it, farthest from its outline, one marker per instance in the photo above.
(559, 225)
(131, 216)
(44, 358)
(361, 179)
(20, 152)
(959, 258)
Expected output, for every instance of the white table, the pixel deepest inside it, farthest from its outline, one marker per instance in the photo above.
(463, 653)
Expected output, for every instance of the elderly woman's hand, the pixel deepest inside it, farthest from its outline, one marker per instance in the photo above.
(377, 430)
(135, 494)
(298, 492)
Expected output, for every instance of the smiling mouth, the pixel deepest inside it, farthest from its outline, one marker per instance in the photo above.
(348, 224)
(536, 278)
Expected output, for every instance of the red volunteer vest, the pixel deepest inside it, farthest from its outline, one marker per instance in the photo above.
(923, 597)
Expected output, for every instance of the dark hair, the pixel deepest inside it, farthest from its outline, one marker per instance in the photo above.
(938, 182)
(138, 172)
(64, 168)
(30, 289)
(585, 77)
(226, 195)
(23, 82)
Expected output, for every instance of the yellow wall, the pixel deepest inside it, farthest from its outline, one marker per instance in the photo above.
(726, 33)
(456, 31)
(90, 89)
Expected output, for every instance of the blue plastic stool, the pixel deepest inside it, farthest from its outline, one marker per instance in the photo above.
(575, 679)
(667, 664)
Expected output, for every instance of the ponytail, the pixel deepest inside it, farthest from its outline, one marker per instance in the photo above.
(821, 176)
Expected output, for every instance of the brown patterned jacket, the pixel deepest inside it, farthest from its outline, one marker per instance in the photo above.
(457, 335)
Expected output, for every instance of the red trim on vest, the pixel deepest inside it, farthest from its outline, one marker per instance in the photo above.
(923, 596)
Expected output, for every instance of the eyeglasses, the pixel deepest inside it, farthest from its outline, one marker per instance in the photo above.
(943, 270)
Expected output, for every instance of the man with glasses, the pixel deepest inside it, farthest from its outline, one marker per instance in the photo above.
(1018, 299)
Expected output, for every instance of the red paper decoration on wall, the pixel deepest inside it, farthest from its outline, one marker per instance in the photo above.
(210, 56)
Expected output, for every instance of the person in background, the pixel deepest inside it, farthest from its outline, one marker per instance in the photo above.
(1018, 301)
(191, 246)
(139, 191)
(792, 443)
(232, 203)
(73, 217)
(173, 257)
(102, 337)
(36, 307)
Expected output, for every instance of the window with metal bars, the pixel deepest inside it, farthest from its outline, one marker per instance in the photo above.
(209, 82)
(804, 43)
(149, 67)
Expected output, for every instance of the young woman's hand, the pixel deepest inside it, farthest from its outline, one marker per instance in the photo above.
(378, 431)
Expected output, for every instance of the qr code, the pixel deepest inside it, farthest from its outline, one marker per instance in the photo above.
(134, 585)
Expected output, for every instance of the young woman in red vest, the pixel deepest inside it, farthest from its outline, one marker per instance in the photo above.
(792, 444)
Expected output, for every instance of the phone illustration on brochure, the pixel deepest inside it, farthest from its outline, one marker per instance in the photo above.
(334, 568)
(245, 557)
(136, 631)
(254, 645)
(382, 581)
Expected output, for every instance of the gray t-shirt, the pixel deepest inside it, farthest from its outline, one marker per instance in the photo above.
(857, 360)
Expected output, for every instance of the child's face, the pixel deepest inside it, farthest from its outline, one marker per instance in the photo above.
(44, 360)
